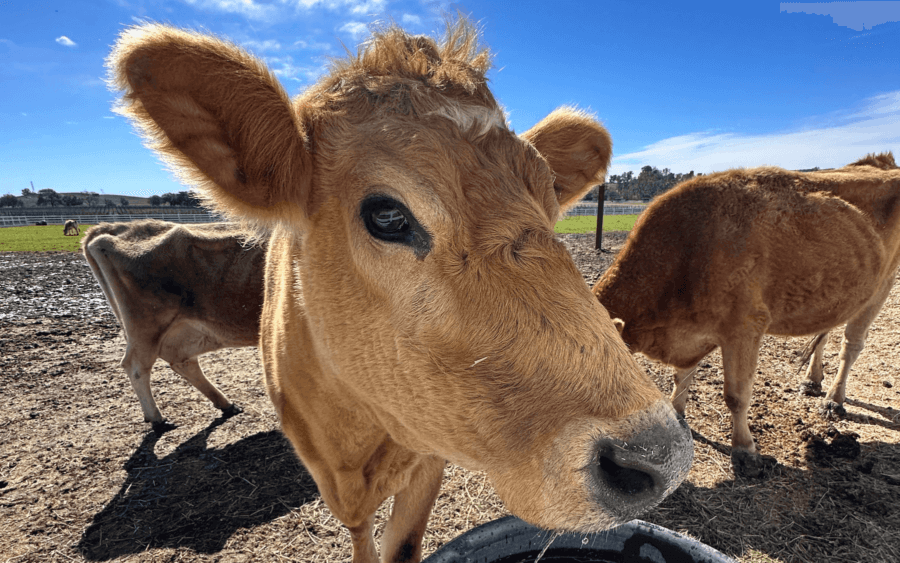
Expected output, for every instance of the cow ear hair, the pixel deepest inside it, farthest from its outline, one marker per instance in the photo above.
(619, 324)
(577, 148)
(218, 117)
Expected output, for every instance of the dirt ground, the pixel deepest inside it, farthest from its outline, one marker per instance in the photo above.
(82, 478)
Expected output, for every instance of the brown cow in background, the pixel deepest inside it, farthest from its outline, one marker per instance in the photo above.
(418, 307)
(179, 291)
(723, 259)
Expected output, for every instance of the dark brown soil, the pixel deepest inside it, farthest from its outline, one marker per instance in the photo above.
(82, 478)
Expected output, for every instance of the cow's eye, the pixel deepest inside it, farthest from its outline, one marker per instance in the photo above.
(389, 220)
(386, 218)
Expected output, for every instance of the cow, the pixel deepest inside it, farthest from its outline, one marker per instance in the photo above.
(854, 333)
(43, 223)
(71, 228)
(418, 308)
(178, 291)
(721, 260)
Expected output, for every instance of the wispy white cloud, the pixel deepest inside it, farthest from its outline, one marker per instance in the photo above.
(366, 7)
(89, 81)
(312, 45)
(260, 11)
(65, 41)
(268, 45)
(873, 127)
(359, 7)
(108, 117)
(286, 69)
(247, 8)
(411, 19)
(356, 30)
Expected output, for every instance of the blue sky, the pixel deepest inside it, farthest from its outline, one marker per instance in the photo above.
(700, 86)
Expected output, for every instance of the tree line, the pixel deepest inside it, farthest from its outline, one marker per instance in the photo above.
(49, 197)
(649, 183)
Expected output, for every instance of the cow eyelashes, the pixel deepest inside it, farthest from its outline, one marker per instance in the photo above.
(389, 220)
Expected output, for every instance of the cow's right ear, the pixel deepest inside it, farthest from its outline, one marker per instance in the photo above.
(218, 117)
(619, 324)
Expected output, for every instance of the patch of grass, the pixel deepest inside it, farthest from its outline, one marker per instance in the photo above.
(50, 238)
(39, 239)
(588, 223)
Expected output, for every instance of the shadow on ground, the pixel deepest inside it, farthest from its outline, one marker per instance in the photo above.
(198, 497)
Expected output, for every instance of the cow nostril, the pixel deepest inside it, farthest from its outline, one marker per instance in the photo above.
(625, 480)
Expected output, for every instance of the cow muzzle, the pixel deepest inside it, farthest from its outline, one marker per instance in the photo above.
(638, 464)
(602, 473)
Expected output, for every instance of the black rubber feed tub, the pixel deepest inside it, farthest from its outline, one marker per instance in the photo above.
(510, 540)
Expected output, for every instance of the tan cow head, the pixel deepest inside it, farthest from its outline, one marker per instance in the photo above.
(433, 300)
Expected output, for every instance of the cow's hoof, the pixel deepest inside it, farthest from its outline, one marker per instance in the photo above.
(832, 411)
(750, 465)
(160, 427)
(811, 389)
(231, 411)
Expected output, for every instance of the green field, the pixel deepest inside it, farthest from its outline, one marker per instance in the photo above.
(50, 238)
(38, 239)
(588, 223)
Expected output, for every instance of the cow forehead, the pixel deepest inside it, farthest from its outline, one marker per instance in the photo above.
(443, 173)
(474, 119)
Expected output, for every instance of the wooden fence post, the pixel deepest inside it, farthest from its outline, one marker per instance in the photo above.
(601, 195)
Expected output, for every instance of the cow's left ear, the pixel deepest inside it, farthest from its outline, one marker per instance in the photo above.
(577, 148)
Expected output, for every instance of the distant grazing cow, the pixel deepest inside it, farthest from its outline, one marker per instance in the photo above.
(418, 307)
(178, 291)
(723, 259)
(71, 228)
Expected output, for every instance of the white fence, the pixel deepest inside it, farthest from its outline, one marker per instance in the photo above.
(25, 220)
(590, 208)
(581, 208)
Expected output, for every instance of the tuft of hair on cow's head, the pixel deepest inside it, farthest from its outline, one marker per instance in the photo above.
(884, 160)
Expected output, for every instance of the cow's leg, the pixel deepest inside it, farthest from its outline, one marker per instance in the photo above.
(739, 358)
(853, 343)
(138, 365)
(683, 380)
(190, 370)
(402, 541)
(364, 541)
(812, 385)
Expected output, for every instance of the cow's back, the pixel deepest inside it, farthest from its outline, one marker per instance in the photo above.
(710, 242)
(206, 273)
